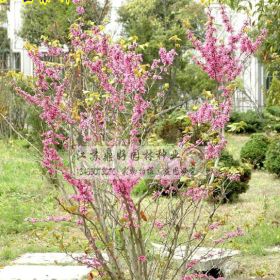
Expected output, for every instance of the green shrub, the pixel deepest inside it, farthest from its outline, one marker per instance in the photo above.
(171, 127)
(13, 109)
(13, 215)
(235, 117)
(273, 94)
(228, 191)
(36, 127)
(23, 117)
(140, 188)
(254, 121)
(254, 150)
(272, 118)
(274, 110)
(272, 161)
(223, 191)
(151, 186)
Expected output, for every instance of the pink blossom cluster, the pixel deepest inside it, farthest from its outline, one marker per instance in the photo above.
(124, 79)
(230, 235)
(204, 115)
(191, 264)
(214, 150)
(214, 226)
(51, 158)
(124, 186)
(196, 194)
(142, 259)
(233, 177)
(223, 60)
(84, 191)
(92, 262)
(158, 224)
(166, 57)
(119, 74)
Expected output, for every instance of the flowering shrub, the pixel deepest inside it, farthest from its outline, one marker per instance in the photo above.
(98, 97)
(232, 178)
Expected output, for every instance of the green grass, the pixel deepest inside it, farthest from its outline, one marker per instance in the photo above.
(258, 210)
(24, 193)
(235, 143)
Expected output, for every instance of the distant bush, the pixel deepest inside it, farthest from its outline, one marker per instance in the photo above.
(274, 110)
(272, 118)
(13, 110)
(272, 161)
(223, 190)
(140, 188)
(254, 121)
(273, 94)
(12, 216)
(35, 127)
(255, 149)
(171, 127)
(226, 190)
(150, 186)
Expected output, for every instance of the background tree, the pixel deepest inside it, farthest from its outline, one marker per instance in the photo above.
(269, 17)
(4, 41)
(54, 19)
(3, 12)
(159, 23)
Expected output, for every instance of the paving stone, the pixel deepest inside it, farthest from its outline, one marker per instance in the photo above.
(208, 257)
(47, 258)
(43, 272)
(271, 250)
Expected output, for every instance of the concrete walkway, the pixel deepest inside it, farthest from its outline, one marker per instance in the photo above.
(44, 266)
(59, 266)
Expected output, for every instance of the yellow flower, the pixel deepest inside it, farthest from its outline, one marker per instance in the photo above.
(175, 38)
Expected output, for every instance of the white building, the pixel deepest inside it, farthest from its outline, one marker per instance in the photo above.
(253, 79)
(19, 59)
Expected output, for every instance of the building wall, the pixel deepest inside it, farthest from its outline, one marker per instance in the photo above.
(17, 44)
(254, 83)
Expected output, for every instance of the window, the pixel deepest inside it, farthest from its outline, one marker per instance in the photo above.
(16, 61)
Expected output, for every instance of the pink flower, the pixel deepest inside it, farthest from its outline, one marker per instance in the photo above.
(80, 10)
(197, 235)
(214, 226)
(159, 225)
(191, 264)
(196, 194)
(166, 58)
(142, 259)
(221, 60)
(230, 235)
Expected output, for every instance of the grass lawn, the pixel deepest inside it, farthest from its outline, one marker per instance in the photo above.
(25, 193)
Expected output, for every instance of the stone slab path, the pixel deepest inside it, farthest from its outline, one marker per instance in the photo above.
(44, 266)
(208, 257)
(60, 266)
